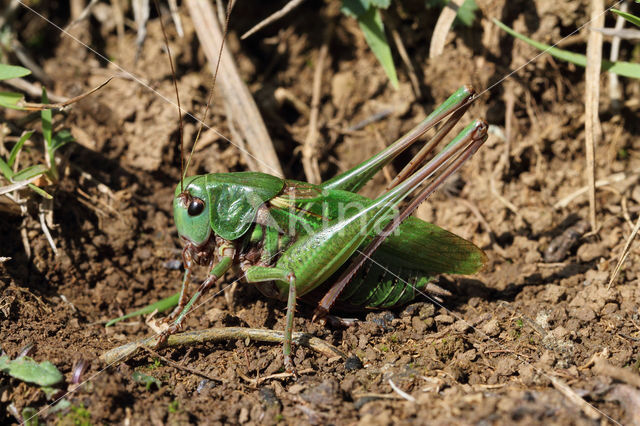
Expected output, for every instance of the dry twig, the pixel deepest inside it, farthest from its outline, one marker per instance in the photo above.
(122, 353)
(625, 253)
(592, 121)
(310, 148)
(273, 17)
(572, 396)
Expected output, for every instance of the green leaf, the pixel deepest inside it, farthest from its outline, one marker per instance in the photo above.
(161, 306)
(6, 170)
(30, 416)
(27, 370)
(40, 191)
(381, 4)
(10, 100)
(60, 139)
(626, 69)
(12, 71)
(18, 146)
(629, 17)
(373, 30)
(29, 172)
(467, 12)
(62, 405)
(354, 8)
(146, 380)
(46, 116)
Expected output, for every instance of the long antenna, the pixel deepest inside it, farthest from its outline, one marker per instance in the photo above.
(175, 85)
(213, 84)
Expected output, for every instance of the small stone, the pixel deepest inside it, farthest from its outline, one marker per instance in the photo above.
(418, 325)
(427, 311)
(144, 253)
(461, 326)
(554, 293)
(585, 314)
(353, 363)
(268, 398)
(591, 251)
(326, 393)
(491, 328)
(444, 319)
(382, 319)
(243, 417)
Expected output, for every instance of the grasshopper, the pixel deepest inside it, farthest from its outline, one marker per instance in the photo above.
(325, 243)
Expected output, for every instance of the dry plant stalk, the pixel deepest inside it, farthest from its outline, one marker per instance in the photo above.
(234, 90)
(122, 353)
(439, 37)
(310, 148)
(592, 121)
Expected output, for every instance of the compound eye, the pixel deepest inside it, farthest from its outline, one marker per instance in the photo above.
(195, 207)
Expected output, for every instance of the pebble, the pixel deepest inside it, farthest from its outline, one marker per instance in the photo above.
(352, 363)
(585, 314)
(591, 251)
(444, 319)
(268, 397)
(491, 328)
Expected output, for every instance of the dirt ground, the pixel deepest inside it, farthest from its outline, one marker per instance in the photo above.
(497, 350)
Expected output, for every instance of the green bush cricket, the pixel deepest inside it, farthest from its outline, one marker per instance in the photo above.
(325, 243)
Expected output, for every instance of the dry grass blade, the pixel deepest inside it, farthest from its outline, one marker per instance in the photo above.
(439, 37)
(141, 11)
(273, 17)
(29, 106)
(611, 179)
(17, 185)
(592, 121)
(576, 399)
(32, 89)
(310, 148)
(121, 353)
(625, 252)
(234, 90)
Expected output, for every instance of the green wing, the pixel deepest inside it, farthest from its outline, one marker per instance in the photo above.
(416, 245)
(423, 246)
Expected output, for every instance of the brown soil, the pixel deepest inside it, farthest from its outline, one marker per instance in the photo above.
(485, 354)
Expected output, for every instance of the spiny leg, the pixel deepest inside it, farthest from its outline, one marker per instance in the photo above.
(288, 328)
(255, 274)
(186, 279)
(216, 272)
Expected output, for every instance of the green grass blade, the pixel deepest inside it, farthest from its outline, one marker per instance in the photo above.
(373, 30)
(17, 147)
(41, 192)
(626, 69)
(6, 170)
(467, 13)
(10, 100)
(12, 71)
(161, 306)
(635, 20)
(29, 172)
(47, 117)
(60, 139)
